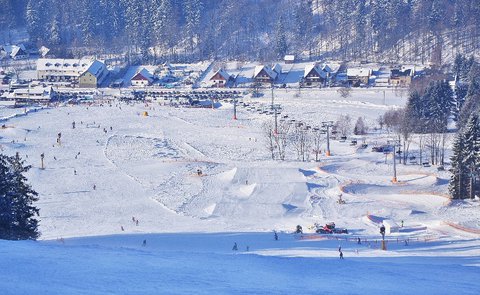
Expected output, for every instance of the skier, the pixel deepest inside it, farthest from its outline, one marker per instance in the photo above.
(133, 218)
(73, 125)
(74, 172)
(136, 222)
(402, 223)
(340, 249)
(144, 243)
(94, 187)
(235, 247)
(121, 227)
(275, 236)
(341, 255)
(359, 241)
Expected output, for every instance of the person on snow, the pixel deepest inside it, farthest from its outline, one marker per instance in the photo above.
(235, 247)
(359, 241)
(341, 255)
(275, 236)
(144, 243)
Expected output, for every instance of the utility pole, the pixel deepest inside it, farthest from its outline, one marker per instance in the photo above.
(234, 107)
(328, 125)
(394, 143)
(272, 96)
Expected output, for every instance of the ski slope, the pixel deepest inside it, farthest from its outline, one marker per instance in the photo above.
(118, 165)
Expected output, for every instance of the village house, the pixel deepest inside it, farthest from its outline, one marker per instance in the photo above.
(93, 76)
(314, 75)
(142, 78)
(16, 52)
(289, 59)
(358, 76)
(70, 70)
(401, 78)
(220, 78)
(265, 74)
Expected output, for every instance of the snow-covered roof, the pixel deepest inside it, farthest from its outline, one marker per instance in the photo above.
(16, 50)
(96, 68)
(143, 73)
(314, 67)
(277, 68)
(272, 74)
(10, 48)
(73, 65)
(359, 72)
(222, 73)
(289, 57)
(43, 51)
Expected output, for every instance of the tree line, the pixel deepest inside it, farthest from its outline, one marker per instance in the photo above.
(153, 30)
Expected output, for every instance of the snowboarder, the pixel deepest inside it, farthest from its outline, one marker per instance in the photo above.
(235, 247)
(341, 255)
(275, 236)
(299, 229)
(144, 243)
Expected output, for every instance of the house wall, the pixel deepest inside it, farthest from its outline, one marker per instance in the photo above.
(87, 80)
(139, 82)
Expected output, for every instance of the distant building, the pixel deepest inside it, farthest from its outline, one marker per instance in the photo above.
(220, 78)
(358, 76)
(32, 95)
(313, 74)
(142, 78)
(264, 74)
(289, 59)
(401, 78)
(70, 70)
(15, 52)
(93, 76)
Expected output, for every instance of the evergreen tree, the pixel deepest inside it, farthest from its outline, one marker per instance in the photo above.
(32, 16)
(281, 46)
(17, 213)
(193, 9)
(459, 178)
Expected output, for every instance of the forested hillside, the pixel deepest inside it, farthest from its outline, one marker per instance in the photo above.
(374, 30)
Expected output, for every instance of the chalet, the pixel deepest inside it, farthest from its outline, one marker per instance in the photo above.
(313, 74)
(18, 53)
(264, 74)
(289, 59)
(15, 52)
(401, 78)
(93, 76)
(142, 78)
(220, 78)
(70, 70)
(358, 76)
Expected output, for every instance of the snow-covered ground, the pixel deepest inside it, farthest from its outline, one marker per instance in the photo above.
(145, 167)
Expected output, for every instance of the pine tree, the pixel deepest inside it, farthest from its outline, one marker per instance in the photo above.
(459, 179)
(281, 46)
(32, 16)
(192, 9)
(17, 213)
